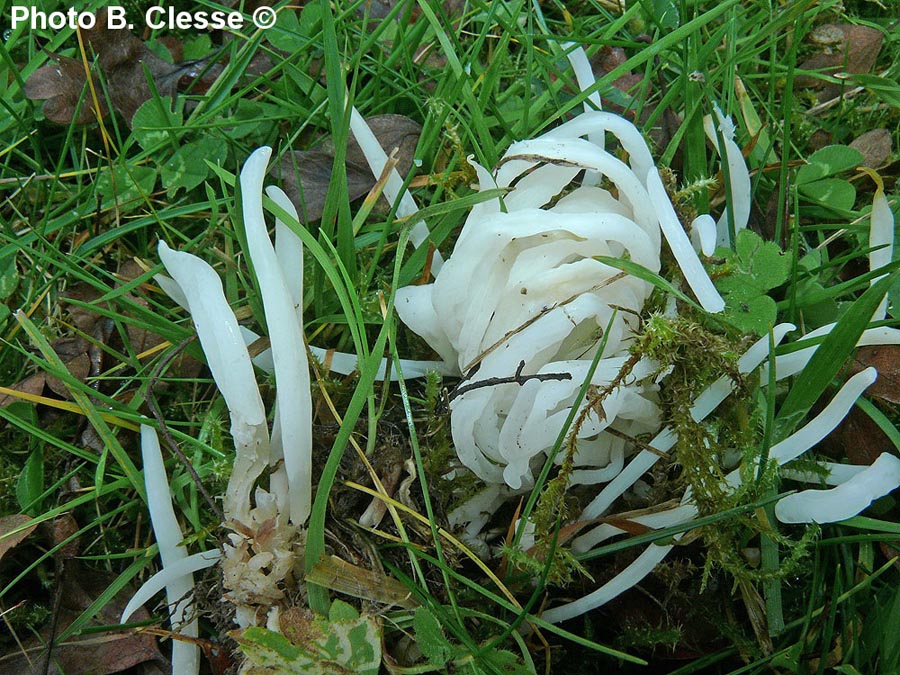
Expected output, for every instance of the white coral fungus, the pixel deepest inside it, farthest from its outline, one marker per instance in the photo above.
(545, 299)
(523, 292)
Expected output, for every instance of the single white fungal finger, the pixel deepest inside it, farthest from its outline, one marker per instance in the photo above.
(156, 583)
(228, 359)
(881, 240)
(687, 259)
(179, 588)
(283, 316)
(738, 175)
(844, 501)
(393, 187)
(703, 234)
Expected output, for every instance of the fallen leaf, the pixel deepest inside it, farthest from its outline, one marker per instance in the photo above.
(608, 59)
(843, 48)
(875, 146)
(305, 174)
(8, 525)
(60, 85)
(83, 354)
(124, 62)
(61, 529)
(886, 360)
(98, 653)
(33, 385)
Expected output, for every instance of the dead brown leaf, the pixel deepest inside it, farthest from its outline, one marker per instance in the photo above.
(97, 653)
(83, 354)
(121, 60)
(843, 48)
(33, 385)
(9, 537)
(875, 146)
(886, 360)
(608, 59)
(305, 174)
(858, 438)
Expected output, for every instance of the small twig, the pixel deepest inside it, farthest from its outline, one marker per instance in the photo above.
(164, 429)
(518, 378)
(636, 442)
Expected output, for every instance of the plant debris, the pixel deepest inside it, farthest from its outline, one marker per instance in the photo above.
(305, 174)
(121, 60)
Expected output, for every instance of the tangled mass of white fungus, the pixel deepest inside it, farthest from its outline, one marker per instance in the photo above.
(524, 292)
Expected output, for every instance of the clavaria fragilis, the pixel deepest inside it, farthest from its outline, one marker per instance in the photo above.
(545, 301)
(255, 568)
(179, 583)
(229, 361)
(529, 249)
(283, 308)
(847, 499)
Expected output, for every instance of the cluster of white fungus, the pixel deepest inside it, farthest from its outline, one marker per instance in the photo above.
(523, 285)
(525, 294)
(266, 538)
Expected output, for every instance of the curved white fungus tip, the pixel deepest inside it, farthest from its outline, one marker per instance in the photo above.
(703, 234)
(627, 578)
(179, 587)
(845, 500)
(228, 359)
(584, 74)
(687, 259)
(283, 318)
(376, 158)
(288, 249)
(822, 424)
(173, 290)
(881, 241)
(156, 583)
(704, 404)
(218, 331)
(738, 175)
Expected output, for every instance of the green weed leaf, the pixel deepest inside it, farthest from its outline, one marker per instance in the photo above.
(759, 263)
(750, 311)
(750, 271)
(9, 276)
(125, 186)
(503, 661)
(829, 161)
(835, 193)
(31, 483)
(343, 643)
(185, 168)
(663, 13)
(430, 638)
(155, 122)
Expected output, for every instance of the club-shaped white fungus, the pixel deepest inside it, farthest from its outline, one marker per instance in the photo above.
(844, 501)
(229, 362)
(179, 588)
(284, 319)
(490, 429)
(703, 234)
(543, 304)
(789, 449)
(738, 176)
(182, 568)
(544, 299)
(263, 545)
(881, 238)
